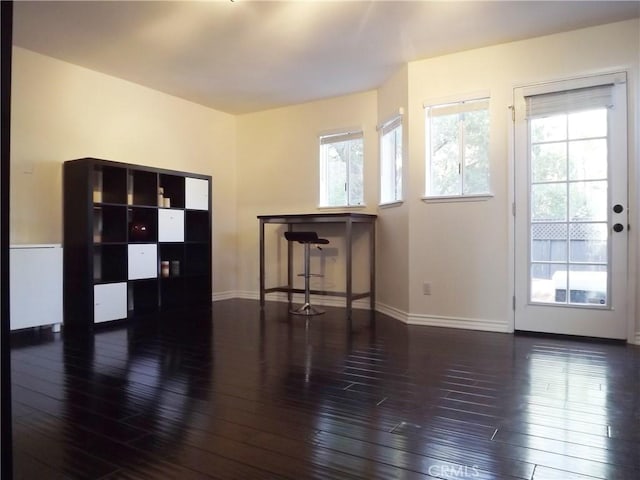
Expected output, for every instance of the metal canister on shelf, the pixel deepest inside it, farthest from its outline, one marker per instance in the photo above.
(175, 268)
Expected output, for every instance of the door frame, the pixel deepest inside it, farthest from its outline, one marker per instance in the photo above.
(633, 188)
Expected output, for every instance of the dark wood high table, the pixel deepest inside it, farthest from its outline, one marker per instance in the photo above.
(349, 220)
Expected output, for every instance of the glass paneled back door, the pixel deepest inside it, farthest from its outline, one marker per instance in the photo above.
(571, 203)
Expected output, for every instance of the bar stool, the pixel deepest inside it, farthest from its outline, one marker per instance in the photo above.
(307, 239)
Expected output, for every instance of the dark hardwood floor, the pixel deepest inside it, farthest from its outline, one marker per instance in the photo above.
(237, 395)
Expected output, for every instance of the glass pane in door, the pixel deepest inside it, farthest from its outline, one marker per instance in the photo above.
(568, 239)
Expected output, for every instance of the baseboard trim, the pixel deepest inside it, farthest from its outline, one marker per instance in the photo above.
(216, 297)
(393, 312)
(246, 295)
(459, 322)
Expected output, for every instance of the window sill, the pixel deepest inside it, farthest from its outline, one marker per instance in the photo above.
(341, 207)
(396, 203)
(458, 198)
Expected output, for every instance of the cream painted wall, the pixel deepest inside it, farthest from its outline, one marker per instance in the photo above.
(392, 282)
(61, 112)
(464, 248)
(278, 173)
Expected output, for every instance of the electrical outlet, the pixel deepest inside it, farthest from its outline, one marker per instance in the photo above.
(426, 288)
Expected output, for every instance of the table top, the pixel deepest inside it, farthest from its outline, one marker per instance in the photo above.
(341, 217)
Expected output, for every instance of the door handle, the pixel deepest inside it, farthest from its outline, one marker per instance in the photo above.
(618, 227)
(618, 208)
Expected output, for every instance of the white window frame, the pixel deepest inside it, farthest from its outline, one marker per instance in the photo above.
(325, 181)
(459, 104)
(391, 177)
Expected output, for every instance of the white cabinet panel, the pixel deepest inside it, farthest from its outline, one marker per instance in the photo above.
(35, 285)
(109, 302)
(170, 225)
(143, 261)
(196, 192)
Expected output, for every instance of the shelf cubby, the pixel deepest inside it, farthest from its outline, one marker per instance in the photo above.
(173, 189)
(109, 223)
(173, 252)
(197, 226)
(142, 224)
(197, 259)
(144, 187)
(143, 297)
(110, 185)
(172, 293)
(109, 263)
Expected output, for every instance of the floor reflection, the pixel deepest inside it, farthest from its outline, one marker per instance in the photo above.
(262, 394)
(572, 413)
(125, 382)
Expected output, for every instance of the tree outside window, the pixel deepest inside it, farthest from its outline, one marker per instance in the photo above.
(341, 170)
(458, 148)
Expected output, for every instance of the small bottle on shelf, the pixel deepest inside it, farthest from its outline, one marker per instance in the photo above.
(164, 268)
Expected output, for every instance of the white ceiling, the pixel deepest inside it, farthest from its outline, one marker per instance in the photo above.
(245, 56)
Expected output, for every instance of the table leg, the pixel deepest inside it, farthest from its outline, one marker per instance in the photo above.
(290, 269)
(372, 265)
(349, 242)
(262, 287)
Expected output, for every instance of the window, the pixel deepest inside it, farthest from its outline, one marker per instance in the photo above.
(569, 185)
(341, 169)
(391, 161)
(457, 140)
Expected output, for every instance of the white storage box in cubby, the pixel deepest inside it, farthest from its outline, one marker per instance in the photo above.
(143, 261)
(109, 302)
(196, 193)
(170, 225)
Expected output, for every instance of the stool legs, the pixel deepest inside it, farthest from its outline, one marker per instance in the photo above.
(307, 308)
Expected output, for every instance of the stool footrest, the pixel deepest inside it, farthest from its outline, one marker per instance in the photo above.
(306, 309)
(311, 275)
